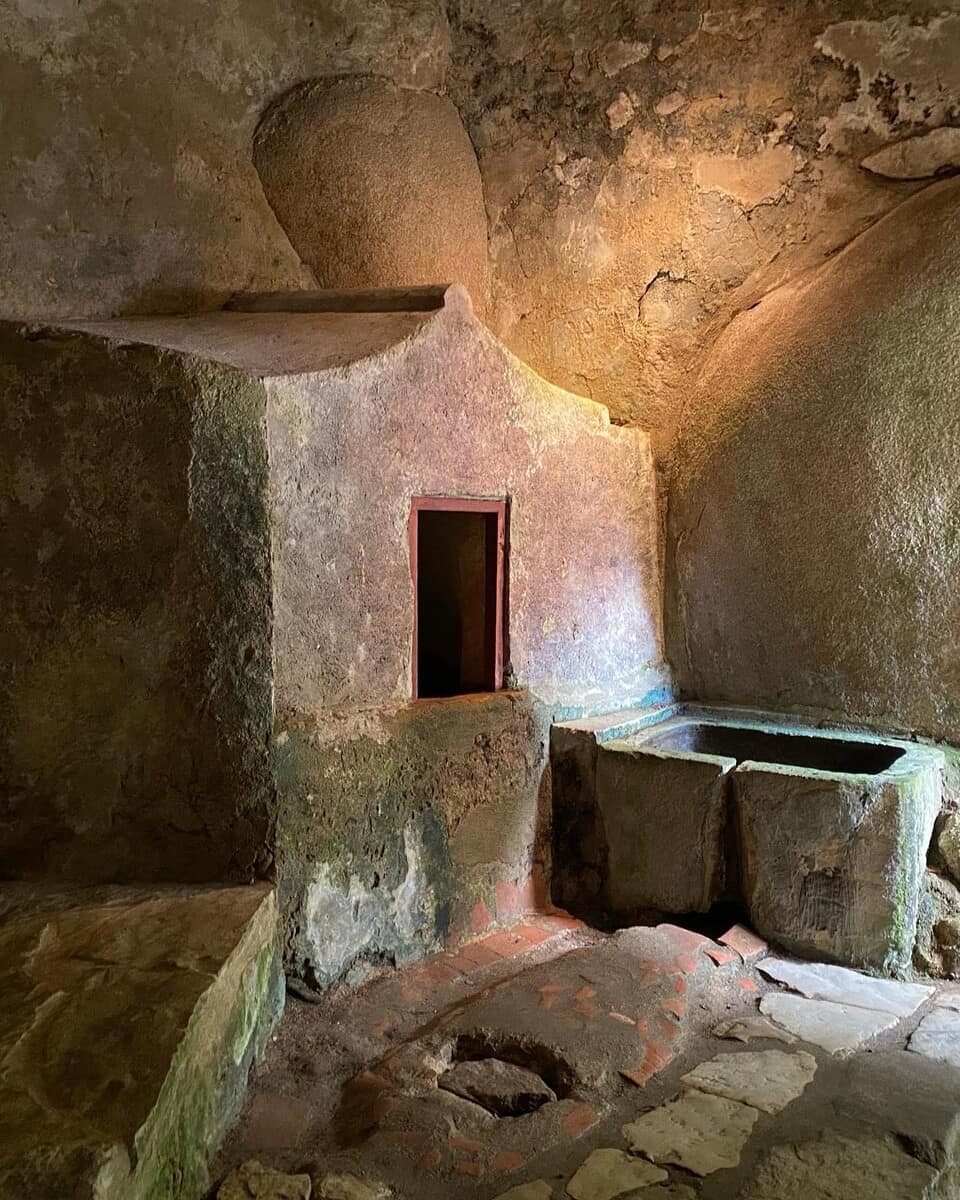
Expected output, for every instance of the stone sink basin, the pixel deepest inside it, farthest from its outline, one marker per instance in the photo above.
(821, 834)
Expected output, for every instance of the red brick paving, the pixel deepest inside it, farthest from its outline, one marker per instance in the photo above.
(479, 954)
(492, 947)
(745, 942)
(469, 1144)
(675, 1005)
(721, 955)
(532, 934)
(656, 1057)
(579, 1120)
(508, 1160)
(506, 943)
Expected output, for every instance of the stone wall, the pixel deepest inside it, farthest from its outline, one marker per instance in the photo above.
(814, 526)
(135, 587)
(208, 667)
(402, 826)
(648, 169)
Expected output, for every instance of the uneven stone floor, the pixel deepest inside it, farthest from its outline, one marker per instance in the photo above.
(652, 1063)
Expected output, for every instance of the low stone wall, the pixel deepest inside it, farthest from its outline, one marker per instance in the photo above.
(130, 1020)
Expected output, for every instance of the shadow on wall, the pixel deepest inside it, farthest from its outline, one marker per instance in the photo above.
(814, 514)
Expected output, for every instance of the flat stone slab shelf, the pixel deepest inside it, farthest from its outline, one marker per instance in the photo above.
(129, 1018)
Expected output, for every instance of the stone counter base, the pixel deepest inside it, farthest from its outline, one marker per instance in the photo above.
(129, 1019)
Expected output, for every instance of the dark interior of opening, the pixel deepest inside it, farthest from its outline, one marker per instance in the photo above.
(794, 750)
(456, 602)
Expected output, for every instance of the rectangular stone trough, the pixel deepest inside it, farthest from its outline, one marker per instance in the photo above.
(821, 834)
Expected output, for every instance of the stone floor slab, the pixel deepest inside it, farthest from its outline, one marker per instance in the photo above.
(751, 1028)
(838, 1028)
(538, 1190)
(840, 1168)
(823, 981)
(609, 1173)
(666, 1191)
(914, 1098)
(699, 1132)
(766, 1079)
(938, 1036)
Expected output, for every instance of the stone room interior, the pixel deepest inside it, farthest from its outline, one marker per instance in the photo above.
(480, 689)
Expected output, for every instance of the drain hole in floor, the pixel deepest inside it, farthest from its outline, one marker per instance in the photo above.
(507, 1078)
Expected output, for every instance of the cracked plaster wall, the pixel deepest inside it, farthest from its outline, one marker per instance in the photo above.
(648, 168)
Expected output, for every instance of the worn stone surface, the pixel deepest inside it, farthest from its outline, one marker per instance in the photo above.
(824, 981)
(342, 1186)
(938, 1036)
(539, 1189)
(663, 819)
(921, 157)
(948, 844)
(832, 866)
(668, 1191)
(700, 1132)
(135, 688)
(364, 1064)
(609, 1173)
(336, 157)
(917, 1099)
(765, 1079)
(130, 1021)
(616, 252)
(752, 1027)
(500, 1087)
(840, 1168)
(854, 364)
(839, 1028)
(936, 950)
(254, 1181)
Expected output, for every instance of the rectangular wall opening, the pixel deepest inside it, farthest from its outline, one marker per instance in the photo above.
(457, 561)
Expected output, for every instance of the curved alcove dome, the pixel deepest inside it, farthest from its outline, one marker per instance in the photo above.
(814, 531)
(375, 185)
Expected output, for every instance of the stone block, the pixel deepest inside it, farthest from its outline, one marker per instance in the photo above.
(500, 1087)
(663, 817)
(127, 1058)
(579, 848)
(936, 950)
(832, 864)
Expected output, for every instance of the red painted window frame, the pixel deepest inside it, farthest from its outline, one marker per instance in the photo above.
(419, 504)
